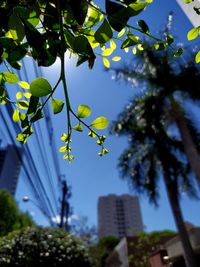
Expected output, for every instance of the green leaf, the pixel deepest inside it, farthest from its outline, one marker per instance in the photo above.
(105, 151)
(10, 77)
(92, 134)
(27, 95)
(197, 57)
(79, 9)
(144, 27)
(113, 44)
(159, 46)
(57, 105)
(130, 40)
(179, 52)
(16, 27)
(19, 95)
(63, 149)
(93, 17)
(16, 116)
(117, 15)
(83, 111)
(78, 127)
(193, 33)
(121, 33)
(170, 39)
(106, 62)
(136, 8)
(188, 1)
(107, 52)
(24, 85)
(104, 33)
(23, 104)
(99, 123)
(116, 59)
(22, 138)
(40, 87)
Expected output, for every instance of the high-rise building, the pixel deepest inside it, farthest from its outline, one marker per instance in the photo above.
(10, 164)
(119, 216)
(189, 11)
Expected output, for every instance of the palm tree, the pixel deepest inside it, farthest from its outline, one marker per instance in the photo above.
(163, 141)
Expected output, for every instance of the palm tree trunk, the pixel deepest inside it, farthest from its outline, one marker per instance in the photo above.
(183, 234)
(188, 144)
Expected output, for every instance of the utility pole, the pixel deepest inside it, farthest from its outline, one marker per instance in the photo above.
(64, 206)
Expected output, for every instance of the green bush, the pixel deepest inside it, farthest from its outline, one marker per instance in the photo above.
(37, 247)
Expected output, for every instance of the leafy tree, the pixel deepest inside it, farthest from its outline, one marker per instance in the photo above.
(100, 251)
(144, 244)
(42, 247)
(45, 31)
(11, 218)
(156, 148)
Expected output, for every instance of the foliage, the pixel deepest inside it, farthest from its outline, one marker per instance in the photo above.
(163, 140)
(100, 251)
(145, 244)
(11, 217)
(148, 121)
(42, 247)
(45, 31)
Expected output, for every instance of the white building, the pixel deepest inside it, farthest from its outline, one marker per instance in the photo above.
(10, 164)
(189, 11)
(119, 216)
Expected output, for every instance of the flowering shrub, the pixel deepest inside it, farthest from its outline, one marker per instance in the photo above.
(36, 247)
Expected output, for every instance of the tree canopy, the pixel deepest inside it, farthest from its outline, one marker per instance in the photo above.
(45, 31)
(11, 218)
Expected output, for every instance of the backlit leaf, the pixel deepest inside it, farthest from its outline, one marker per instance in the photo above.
(24, 85)
(63, 149)
(27, 95)
(104, 33)
(106, 62)
(116, 59)
(83, 111)
(23, 104)
(16, 116)
(121, 33)
(179, 52)
(144, 27)
(78, 127)
(193, 33)
(19, 95)
(40, 87)
(113, 44)
(57, 105)
(107, 52)
(10, 77)
(99, 123)
(197, 57)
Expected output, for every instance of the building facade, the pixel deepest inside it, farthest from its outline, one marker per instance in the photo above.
(10, 165)
(119, 216)
(189, 11)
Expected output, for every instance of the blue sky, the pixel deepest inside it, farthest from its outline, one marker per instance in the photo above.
(89, 175)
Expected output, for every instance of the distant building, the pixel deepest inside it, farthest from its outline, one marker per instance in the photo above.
(189, 11)
(10, 164)
(119, 216)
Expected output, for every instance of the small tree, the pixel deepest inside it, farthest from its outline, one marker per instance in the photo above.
(42, 248)
(11, 218)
